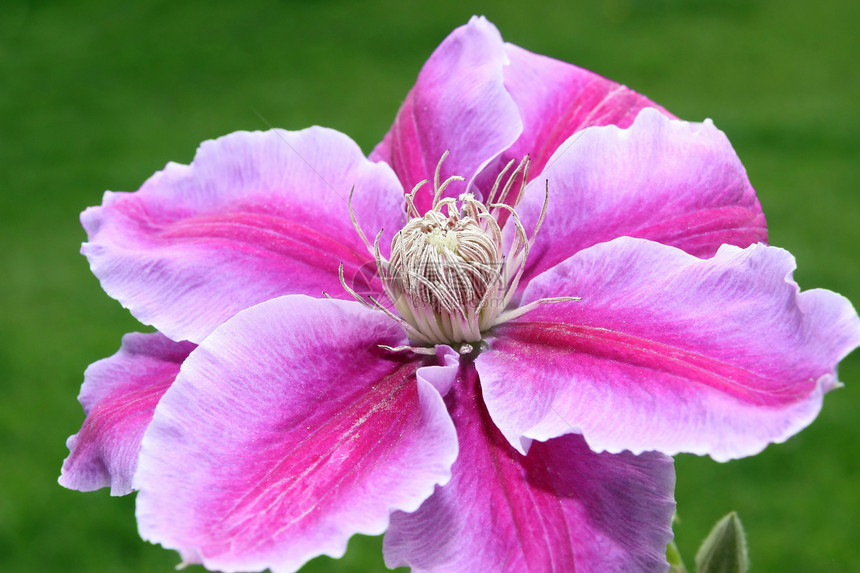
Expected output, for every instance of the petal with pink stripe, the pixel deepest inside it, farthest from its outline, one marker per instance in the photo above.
(288, 431)
(669, 181)
(255, 216)
(119, 396)
(459, 104)
(555, 100)
(561, 508)
(668, 352)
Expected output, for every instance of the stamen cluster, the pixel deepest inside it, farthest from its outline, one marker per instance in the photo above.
(448, 277)
(444, 274)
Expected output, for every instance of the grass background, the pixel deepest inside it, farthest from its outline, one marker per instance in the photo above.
(98, 95)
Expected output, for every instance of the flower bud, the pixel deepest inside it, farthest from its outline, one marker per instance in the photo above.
(724, 550)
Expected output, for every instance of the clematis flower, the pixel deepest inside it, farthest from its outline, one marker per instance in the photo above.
(581, 289)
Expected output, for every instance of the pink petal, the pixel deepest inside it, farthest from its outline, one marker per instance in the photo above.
(557, 99)
(668, 352)
(560, 508)
(287, 431)
(459, 104)
(119, 395)
(674, 182)
(255, 216)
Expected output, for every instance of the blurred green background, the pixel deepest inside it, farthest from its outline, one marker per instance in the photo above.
(98, 95)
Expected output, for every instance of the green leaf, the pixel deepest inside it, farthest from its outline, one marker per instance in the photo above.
(724, 550)
(673, 556)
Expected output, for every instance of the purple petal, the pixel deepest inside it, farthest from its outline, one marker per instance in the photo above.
(459, 104)
(119, 395)
(287, 431)
(557, 99)
(255, 216)
(561, 508)
(668, 352)
(673, 182)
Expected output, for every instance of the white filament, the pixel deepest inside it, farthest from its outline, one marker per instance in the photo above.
(447, 275)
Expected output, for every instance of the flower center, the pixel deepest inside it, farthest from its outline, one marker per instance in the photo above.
(448, 275)
(445, 271)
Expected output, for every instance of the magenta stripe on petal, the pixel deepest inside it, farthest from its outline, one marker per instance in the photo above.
(557, 99)
(458, 104)
(561, 508)
(255, 216)
(668, 352)
(669, 181)
(288, 431)
(119, 396)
